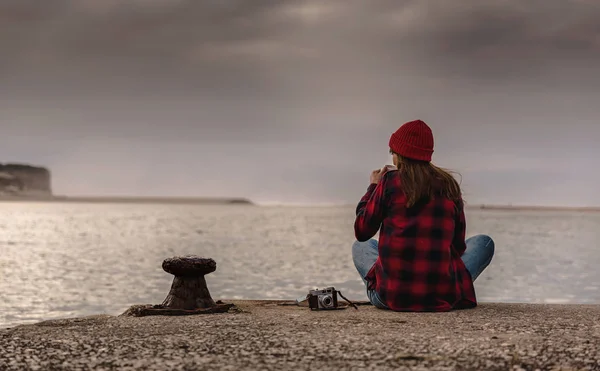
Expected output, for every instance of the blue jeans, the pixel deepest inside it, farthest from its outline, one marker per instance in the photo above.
(477, 256)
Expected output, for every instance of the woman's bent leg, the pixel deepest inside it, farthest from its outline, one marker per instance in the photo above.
(364, 255)
(478, 255)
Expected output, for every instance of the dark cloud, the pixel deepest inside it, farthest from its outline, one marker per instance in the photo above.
(262, 43)
(321, 85)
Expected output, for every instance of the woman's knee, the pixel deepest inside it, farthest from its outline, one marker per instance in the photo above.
(357, 249)
(360, 248)
(485, 242)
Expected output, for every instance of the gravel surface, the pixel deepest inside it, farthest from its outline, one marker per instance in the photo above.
(267, 336)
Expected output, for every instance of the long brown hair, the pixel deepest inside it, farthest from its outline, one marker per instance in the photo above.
(422, 180)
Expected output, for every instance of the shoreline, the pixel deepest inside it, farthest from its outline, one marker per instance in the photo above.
(535, 208)
(265, 334)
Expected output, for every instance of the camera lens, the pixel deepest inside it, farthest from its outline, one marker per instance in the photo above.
(327, 301)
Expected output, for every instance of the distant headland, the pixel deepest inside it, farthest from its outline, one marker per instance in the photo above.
(21, 182)
(153, 200)
(127, 200)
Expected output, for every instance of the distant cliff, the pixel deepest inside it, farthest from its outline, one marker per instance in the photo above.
(24, 180)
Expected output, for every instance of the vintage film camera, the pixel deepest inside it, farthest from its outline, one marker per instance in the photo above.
(323, 299)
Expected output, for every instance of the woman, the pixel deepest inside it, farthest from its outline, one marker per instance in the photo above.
(422, 261)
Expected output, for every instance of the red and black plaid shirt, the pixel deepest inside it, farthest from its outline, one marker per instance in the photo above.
(419, 266)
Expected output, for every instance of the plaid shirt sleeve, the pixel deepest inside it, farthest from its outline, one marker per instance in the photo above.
(459, 244)
(370, 211)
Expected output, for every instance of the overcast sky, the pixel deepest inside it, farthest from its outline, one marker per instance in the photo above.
(294, 100)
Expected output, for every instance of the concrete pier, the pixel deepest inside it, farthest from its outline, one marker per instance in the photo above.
(266, 335)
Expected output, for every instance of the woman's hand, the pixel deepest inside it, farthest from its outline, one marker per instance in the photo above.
(376, 175)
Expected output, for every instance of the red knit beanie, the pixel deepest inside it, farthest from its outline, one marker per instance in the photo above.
(413, 140)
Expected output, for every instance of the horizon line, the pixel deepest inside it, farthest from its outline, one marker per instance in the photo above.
(247, 201)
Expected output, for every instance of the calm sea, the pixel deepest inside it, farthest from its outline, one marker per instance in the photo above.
(62, 260)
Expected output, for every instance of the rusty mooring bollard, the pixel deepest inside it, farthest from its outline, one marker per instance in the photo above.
(189, 290)
(189, 293)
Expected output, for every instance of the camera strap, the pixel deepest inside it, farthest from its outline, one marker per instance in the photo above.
(349, 302)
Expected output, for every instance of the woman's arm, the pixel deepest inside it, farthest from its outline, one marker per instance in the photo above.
(371, 210)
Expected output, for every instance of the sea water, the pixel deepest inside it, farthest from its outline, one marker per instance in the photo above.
(63, 259)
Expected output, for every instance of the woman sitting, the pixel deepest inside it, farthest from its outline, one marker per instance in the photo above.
(421, 261)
